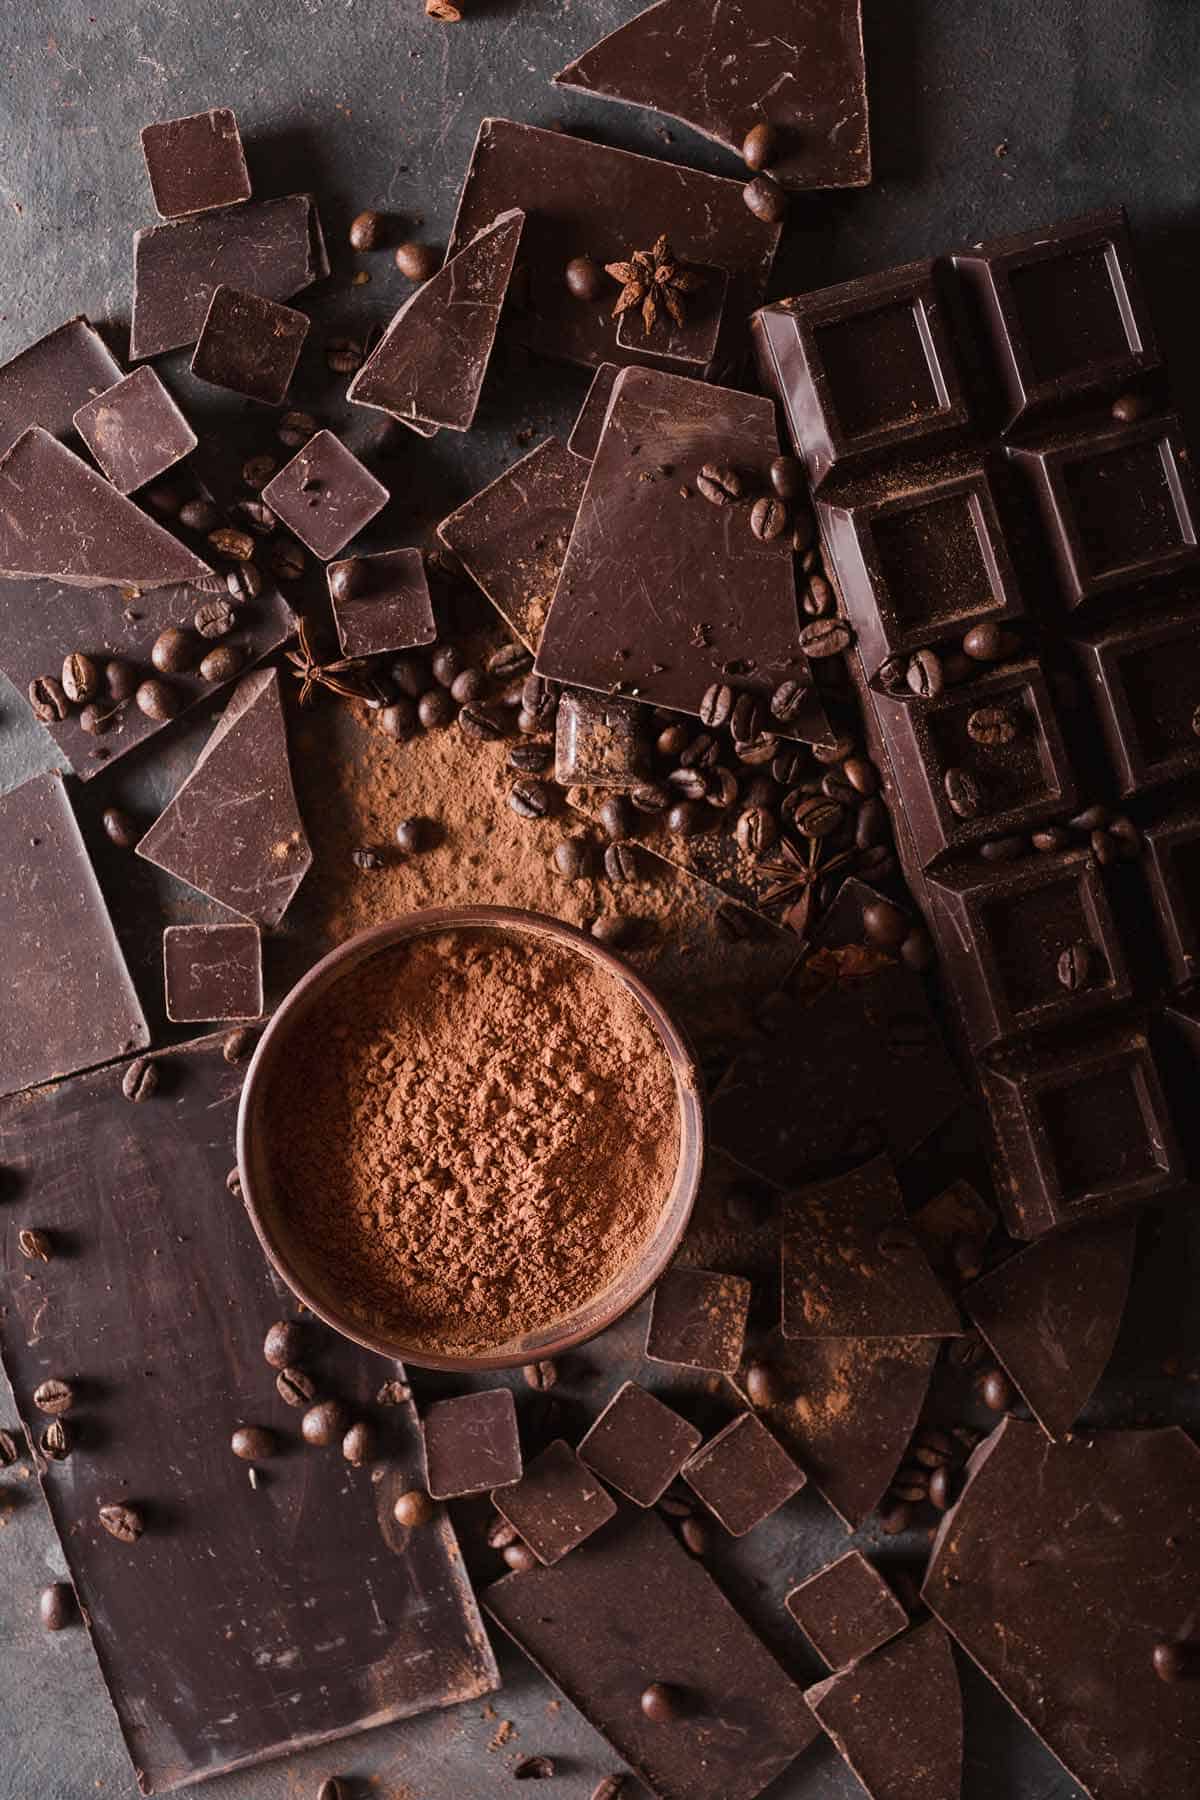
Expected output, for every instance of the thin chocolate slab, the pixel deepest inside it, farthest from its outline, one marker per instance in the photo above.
(743, 1474)
(61, 521)
(701, 599)
(846, 1610)
(638, 1444)
(587, 199)
(1052, 1313)
(212, 972)
(557, 1504)
(429, 366)
(195, 163)
(471, 1444)
(233, 829)
(698, 1318)
(246, 1621)
(896, 1718)
(46, 383)
(70, 1000)
(512, 536)
(600, 741)
(589, 421)
(269, 247)
(742, 63)
(249, 344)
(390, 609)
(134, 430)
(854, 1267)
(325, 495)
(632, 1607)
(1057, 1572)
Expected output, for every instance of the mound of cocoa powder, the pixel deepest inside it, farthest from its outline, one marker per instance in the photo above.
(477, 1137)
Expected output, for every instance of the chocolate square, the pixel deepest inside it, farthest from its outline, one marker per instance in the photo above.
(743, 1474)
(1172, 865)
(1005, 930)
(846, 1610)
(896, 1718)
(195, 163)
(249, 344)
(47, 382)
(1118, 505)
(556, 1504)
(686, 348)
(471, 1444)
(392, 612)
(325, 496)
(600, 741)
(134, 430)
(1145, 678)
(699, 1319)
(638, 1445)
(212, 972)
(589, 421)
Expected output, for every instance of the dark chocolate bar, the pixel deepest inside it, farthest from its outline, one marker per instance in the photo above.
(698, 1318)
(471, 1444)
(638, 1444)
(743, 1474)
(589, 421)
(556, 1505)
(249, 344)
(389, 607)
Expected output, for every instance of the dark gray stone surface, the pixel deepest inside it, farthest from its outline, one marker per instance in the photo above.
(987, 118)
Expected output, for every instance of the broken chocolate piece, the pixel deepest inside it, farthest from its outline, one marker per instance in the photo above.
(638, 1444)
(325, 495)
(600, 742)
(556, 1504)
(392, 609)
(471, 1444)
(846, 1610)
(48, 382)
(430, 363)
(134, 430)
(212, 972)
(195, 163)
(743, 1474)
(70, 1001)
(233, 829)
(698, 1318)
(896, 1718)
(589, 421)
(249, 345)
(688, 344)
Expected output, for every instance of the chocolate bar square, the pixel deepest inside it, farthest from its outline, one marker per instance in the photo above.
(1032, 943)
(212, 972)
(743, 1474)
(846, 1610)
(195, 163)
(135, 431)
(600, 741)
(1145, 679)
(698, 1319)
(249, 344)
(393, 611)
(557, 1503)
(325, 495)
(471, 1444)
(1172, 865)
(638, 1445)
(686, 348)
(1118, 505)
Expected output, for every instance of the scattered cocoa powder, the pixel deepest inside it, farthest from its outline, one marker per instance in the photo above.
(478, 1138)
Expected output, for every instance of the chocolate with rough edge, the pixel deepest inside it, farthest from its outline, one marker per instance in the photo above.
(698, 1318)
(846, 1610)
(46, 383)
(249, 344)
(589, 421)
(392, 611)
(134, 430)
(557, 1504)
(743, 1474)
(638, 1444)
(896, 1718)
(325, 495)
(195, 163)
(471, 1444)
(212, 972)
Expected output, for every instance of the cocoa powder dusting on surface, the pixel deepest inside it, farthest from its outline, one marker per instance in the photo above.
(488, 1148)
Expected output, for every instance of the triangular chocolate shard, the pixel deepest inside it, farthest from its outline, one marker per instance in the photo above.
(60, 521)
(234, 830)
(896, 1718)
(428, 368)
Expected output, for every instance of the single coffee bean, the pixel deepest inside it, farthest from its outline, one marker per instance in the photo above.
(660, 1703)
(349, 579)
(397, 720)
(649, 797)
(571, 858)
(125, 1523)
(198, 515)
(722, 789)
(529, 798)
(1002, 849)
(892, 674)
(295, 429)
(416, 262)
(1176, 1661)
(246, 583)
(157, 699)
(758, 146)
(253, 1443)
(96, 720)
(509, 661)
(719, 483)
(164, 499)
(716, 704)
(140, 1080)
(925, 674)
(282, 1344)
(501, 1534)
(672, 740)
(80, 678)
(413, 834)
(221, 664)
(475, 722)
(55, 1441)
(344, 355)
(520, 1557)
(358, 1444)
(1092, 818)
(768, 518)
(468, 685)
(1075, 967)
(435, 708)
(413, 1508)
(885, 925)
(258, 470)
(540, 1375)
(1050, 838)
(692, 784)
(54, 1397)
(35, 1246)
(789, 700)
(755, 831)
(894, 1519)
(215, 619)
(257, 517)
(983, 642)
(941, 1488)
(584, 278)
(745, 719)
(364, 857)
(530, 759)
(685, 818)
(787, 479)
(916, 951)
(762, 1384)
(815, 816)
(766, 199)
(1128, 408)
(367, 230)
(295, 1387)
(825, 637)
(804, 525)
(616, 817)
(1103, 847)
(56, 1606)
(862, 775)
(445, 663)
(120, 679)
(533, 1768)
(835, 787)
(613, 929)
(10, 1449)
(995, 1392)
(873, 827)
(48, 700)
(228, 541)
(1127, 838)
(287, 560)
(325, 1423)
(622, 861)
(695, 1536)
(333, 1789)
(993, 725)
(963, 793)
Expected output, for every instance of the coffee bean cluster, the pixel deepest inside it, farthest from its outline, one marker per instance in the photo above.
(324, 1420)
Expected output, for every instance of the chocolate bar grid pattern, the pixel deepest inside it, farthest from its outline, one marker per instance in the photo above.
(956, 419)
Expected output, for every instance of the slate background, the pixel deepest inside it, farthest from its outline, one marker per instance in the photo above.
(369, 103)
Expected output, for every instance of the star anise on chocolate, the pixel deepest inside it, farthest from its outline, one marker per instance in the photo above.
(347, 675)
(796, 875)
(653, 278)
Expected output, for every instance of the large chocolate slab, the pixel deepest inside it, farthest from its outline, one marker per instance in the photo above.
(897, 1718)
(741, 63)
(48, 382)
(269, 247)
(134, 430)
(233, 829)
(1052, 1313)
(246, 1621)
(70, 1002)
(429, 365)
(632, 1607)
(61, 521)
(195, 163)
(585, 199)
(1057, 1572)
(1172, 862)
(589, 421)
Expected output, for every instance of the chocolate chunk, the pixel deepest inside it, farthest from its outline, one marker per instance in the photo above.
(428, 367)
(589, 421)
(325, 495)
(854, 1267)
(846, 1610)
(241, 774)
(1144, 677)
(268, 247)
(250, 345)
(954, 1227)
(471, 1444)
(212, 972)
(699, 1319)
(896, 1718)
(688, 344)
(195, 163)
(134, 430)
(633, 1602)
(743, 1474)
(600, 742)
(61, 521)
(390, 611)
(557, 1503)
(638, 1445)
(1044, 1538)
(70, 1002)
(48, 382)
(802, 79)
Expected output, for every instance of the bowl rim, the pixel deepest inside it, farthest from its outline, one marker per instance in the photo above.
(426, 921)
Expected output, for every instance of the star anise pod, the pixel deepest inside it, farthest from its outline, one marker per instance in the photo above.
(650, 278)
(347, 675)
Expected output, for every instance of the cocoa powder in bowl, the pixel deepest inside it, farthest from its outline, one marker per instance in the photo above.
(475, 1136)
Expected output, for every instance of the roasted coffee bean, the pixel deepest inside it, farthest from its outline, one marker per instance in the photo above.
(925, 675)
(367, 230)
(281, 1346)
(35, 1246)
(703, 752)
(672, 739)
(804, 529)
(333, 1789)
(1103, 847)
(445, 663)
(571, 858)
(884, 925)
(768, 518)
(287, 560)
(533, 1768)
(766, 200)
(344, 355)
(120, 679)
(10, 1449)
(413, 834)
(622, 861)
(788, 764)
(1092, 818)
(612, 928)
(963, 793)
(941, 1488)
(233, 1183)
(825, 637)
(228, 541)
(509, 661)
(80, 678)
(140, 1080)
(164, 499)
(256, 516)
(413, 1508)
(54, 1397)
(520, 1557)
(435, 709)
(500, 1534)
(56, 1606)
(364, 857)
(720, 484)
(221, 664)
(530, 798)
(692, 784)
(215, 619)
(530, 759)
(1075, 967)
(649, 797)
(96, 720)
(872, 828)
(862, 775)
(611, 1788)
(584, 278)
(258, 470)
(416, 262)
(616, 816)
(125, 1523)
(157, 699)
(745, 720)
(1002, 849)
(1176, 1661)
(758, 148)
(324, 1423)
(992, 725)
(236, 1044)
(756, 830)
(48, 700)
(358, 1444)
(398, 720)
(835, 787)
(349, 579)
(540, 1375)
(1050, 838)
(475, 722)
(198, 515)
(787, 478)
(661, 1703)
(393, 1393)
(1127, 838)
(294, 1386)
(762, 1385)
(917, 952)
(246, 582)
(892, 674)
(253, 1443)
(685, 818)
(55, 1441)
(1128, 408)
(894, 1518)
(815, 816)
(789, 700)
(995, 1391)
(722, 789)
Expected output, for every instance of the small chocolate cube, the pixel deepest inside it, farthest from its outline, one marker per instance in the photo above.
(557, 1503)
(212, 972)
(743, 1474)
(195, 163)
(846, 1610)
(135, 431)
(390, 610)
(686, 348)
(638, 1445)
(599, 741)
(325, 495)
(698, 1319)
(249, 345)
(471, 1444)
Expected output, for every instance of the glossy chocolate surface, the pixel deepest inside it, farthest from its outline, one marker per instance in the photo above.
(599, 741)
(638, 1444)
(212, 972)
(896, 1718)
(471, 1444)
